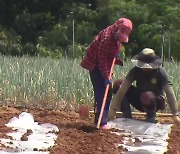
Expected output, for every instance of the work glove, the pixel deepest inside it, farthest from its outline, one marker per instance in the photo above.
(107, 81)
(161, 102)
(176, 120)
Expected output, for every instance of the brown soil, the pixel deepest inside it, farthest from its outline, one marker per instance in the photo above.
(79, 136)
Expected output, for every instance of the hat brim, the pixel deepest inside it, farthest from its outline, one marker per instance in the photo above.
(153, 65)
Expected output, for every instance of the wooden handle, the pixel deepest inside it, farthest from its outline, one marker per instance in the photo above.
(105, 94)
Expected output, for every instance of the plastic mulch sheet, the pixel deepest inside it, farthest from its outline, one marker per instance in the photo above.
(142, 137)
(41, 136)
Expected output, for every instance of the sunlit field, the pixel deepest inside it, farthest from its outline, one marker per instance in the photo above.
(52, 83)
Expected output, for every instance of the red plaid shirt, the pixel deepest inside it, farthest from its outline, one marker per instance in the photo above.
(102, 51)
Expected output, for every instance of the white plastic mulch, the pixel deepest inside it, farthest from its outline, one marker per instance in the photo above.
(42, 136)
(152, 138)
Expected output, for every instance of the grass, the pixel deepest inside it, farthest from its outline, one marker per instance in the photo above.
(44, 81)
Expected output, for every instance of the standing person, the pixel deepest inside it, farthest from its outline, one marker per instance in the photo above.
(98, 60)
(147, 95)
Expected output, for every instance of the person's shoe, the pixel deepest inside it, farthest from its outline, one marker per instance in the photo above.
(127, 114)
(150, 115)
(126, 109)
(106, 126)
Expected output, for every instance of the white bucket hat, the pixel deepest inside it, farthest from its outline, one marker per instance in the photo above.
(147, 59)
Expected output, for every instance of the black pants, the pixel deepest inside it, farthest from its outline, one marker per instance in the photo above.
(133, 97)
(99, 90)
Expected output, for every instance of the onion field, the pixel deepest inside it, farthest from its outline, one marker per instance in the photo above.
(45, 82)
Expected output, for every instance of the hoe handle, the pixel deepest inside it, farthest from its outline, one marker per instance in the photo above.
(105, 94)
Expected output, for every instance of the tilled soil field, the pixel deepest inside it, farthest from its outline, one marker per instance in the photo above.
(79, 136)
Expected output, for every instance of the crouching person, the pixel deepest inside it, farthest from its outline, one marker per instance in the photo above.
(147, 95)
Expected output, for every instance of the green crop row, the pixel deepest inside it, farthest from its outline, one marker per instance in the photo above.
(50, 82)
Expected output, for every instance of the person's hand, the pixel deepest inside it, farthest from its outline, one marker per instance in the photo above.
(118, 60)
(147, 97)
(107, 81)
(176, 120)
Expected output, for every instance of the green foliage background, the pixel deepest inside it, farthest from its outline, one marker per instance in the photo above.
(45, 28)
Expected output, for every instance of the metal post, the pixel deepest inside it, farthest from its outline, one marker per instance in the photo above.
(72, 20)
(73, 38)
(169, 45)
(162, 43)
